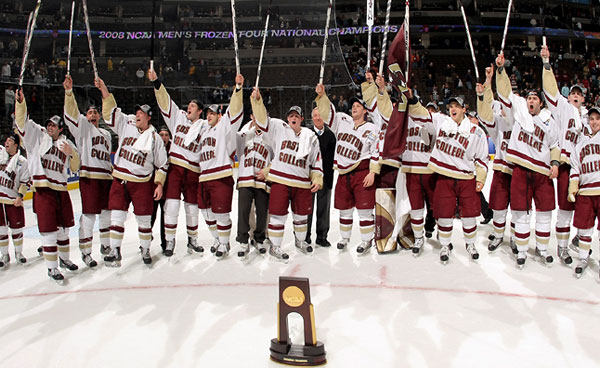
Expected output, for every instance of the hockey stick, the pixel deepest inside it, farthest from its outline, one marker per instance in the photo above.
(89, 36)
(262, 49)
(462, 10)
(235, 38)
(385, 35)
(70, 39)
(324, 54)
(28, 38)
(506, 26)
(370, 22)
(152, 35)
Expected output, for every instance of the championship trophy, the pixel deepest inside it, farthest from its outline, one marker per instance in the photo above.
(294, 297)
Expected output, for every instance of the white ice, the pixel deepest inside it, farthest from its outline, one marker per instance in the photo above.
(375, 310)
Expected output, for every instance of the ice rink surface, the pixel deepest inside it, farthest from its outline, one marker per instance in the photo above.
(374, 310)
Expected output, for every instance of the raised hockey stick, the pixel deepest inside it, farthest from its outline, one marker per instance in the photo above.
(70, 38)
(324, 54)
(506, 26)
(462, 10)
(370, 22)
(28, 38)
(152, 35)
(89, 36)
(385, 34)
(262, 49)
(235, 39)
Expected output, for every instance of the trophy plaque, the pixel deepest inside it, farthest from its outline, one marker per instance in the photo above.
(294, 297)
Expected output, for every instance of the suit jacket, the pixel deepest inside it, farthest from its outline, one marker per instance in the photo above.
(327, 144)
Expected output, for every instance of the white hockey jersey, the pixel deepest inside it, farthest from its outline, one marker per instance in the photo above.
(254, 155)
(14, 177)
(585, 165)
(415, 159)
(460, 151)
(50, 168)
(500, 129)
(180, 154)
(571, 121)
(131, 164)
(217, 143)
(533, 149)
(354, 143)
(296, 157)
(94, 144)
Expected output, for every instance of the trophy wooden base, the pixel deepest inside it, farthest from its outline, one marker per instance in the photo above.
(304, 355)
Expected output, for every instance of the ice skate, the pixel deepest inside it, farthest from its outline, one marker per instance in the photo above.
(244, 250)
(20, 258)
(444, 254)
(113, 259)
(428, 234)
(277, 253)
(521, 257)
(364, 247)
(450, 246)
(563, 255)
(4, 260)
(104, 249)
(40, 250)
(66, 263)
(418, 246)
(494, 243)
(574, 245)
(169, 248)
(88, 260)
(303, 246)
(261, 247)
(55, 275)
(543, 257)
(146, 257)
(513, 246)
(192, 246)
(580, 268)
(214, 246)
(472, 250)
(343, 243)
(222, 251)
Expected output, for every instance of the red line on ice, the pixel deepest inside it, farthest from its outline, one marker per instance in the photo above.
(381, 285)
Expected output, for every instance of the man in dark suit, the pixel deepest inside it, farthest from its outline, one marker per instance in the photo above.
(327, 144)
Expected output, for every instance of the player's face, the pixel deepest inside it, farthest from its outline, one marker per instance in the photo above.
(431, 110)
(594, 120)
(358, 111)
(53, 130)
(534, 104)
(474, 120)
(11, 146)
(193, 111)
(317, 121)
(457, 112)
(165, 136)
(142, 120)
(295, 120)
(93, 116)
(212, 117)
(576, 98)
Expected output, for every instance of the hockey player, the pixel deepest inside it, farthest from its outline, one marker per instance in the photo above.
(254, 156)
(50, 155)
(217, 149)
(14, 182)
(500, 129)
(165, 134)
(95, 179)
(571, 116)
(534, 149)
(459, 158)
(357, 162)
(140, 157)
(295, 173)
(184, 168)
(584, 188)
